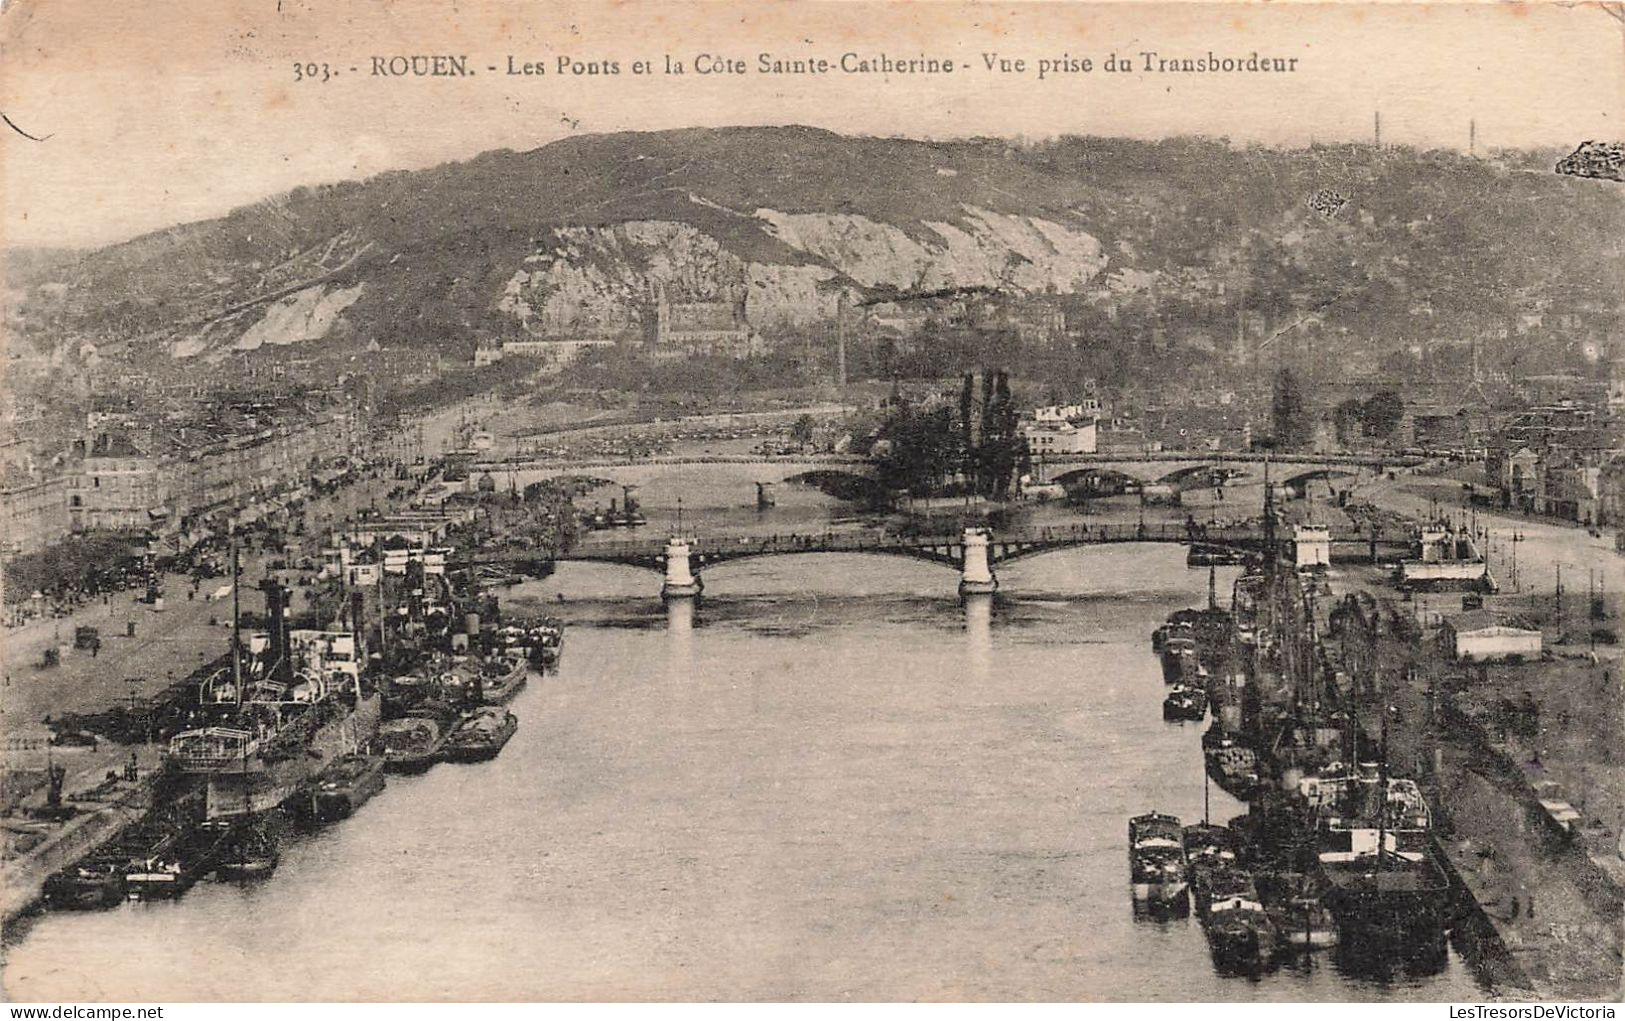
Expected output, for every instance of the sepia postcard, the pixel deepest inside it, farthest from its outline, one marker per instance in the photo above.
(812, 501)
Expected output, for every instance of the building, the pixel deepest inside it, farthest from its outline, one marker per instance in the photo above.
(1438, 426)
(1573, 488)
(1477, 636)
(1443, 558)
(553, 354)
(690, 328)
(1516, 472)
(120, 486)
(33, 512)
(1062, 429)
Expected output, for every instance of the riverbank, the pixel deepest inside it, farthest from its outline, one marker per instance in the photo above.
(1544, 901)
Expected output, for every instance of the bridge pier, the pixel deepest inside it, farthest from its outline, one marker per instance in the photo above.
(1312, 547)
(681, 581)
(975, 573)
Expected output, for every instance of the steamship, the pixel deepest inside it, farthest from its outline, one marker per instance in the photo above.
(291, 703)
(1374, 846)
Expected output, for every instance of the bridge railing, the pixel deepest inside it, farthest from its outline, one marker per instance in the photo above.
(835, 542)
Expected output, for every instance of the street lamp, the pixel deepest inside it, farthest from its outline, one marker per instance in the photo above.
(1517, 537)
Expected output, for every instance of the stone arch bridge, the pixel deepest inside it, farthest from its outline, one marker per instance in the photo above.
(1174, 468)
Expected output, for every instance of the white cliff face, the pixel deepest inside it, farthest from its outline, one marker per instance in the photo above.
(604, 279)
(304, 315)
(309, 314)
(986, 249)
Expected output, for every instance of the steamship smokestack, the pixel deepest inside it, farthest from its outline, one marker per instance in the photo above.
(276, 606)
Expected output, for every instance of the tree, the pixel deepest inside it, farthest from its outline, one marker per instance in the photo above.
(1349, 417)
(967, 401)
(1382, 413)
(1291, 423)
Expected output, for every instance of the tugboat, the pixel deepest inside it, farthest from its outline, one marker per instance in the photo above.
(345, 786)
(1185, 702)
(481, 736)
(1156, 851)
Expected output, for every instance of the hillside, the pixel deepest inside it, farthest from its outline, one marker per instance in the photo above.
(574, 238)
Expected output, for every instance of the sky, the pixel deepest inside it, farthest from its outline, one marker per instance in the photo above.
(157, 112)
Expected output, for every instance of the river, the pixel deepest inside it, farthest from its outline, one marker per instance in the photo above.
(828, 780)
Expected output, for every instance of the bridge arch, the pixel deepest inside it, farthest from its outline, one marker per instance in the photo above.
(1000, 555)
(923, 555)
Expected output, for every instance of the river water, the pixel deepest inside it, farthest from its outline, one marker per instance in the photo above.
(828, 780)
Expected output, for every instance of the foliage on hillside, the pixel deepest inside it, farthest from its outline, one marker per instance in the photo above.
(1197, 232)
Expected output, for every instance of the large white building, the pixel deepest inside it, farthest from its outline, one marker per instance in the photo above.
(1477, 636)
(1063, 429)
(555, 354)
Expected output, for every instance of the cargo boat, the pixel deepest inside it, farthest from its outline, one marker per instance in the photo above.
(172, 871)
(1296, 904)
(1209, 850)
(1179, 658)
(1209, 555)
(1185, 703)
(345, 786)
(1156, 851)
(541, 642)
(413, 743)
(1231, 762)
(1239, 931)
(249, 853)
(480, 736)
(502, 678)
(95, 882)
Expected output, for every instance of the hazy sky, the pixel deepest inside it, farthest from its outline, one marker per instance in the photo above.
(160, 111)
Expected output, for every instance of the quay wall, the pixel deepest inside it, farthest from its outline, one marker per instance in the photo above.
(24, 878)
(1602, 891)
(1475, 933)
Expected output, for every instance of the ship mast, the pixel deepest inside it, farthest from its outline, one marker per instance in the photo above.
(1382, 793)
(236, 622)
(1269, 520)
(1205, 782)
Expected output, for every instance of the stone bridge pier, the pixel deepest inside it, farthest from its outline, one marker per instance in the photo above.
(680, 581)
(975, 573)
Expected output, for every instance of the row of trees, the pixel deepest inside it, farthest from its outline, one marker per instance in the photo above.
(1293, 423)
(928, 449)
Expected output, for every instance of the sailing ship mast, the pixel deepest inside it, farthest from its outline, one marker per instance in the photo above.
(1382, 793)
(236, 623)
